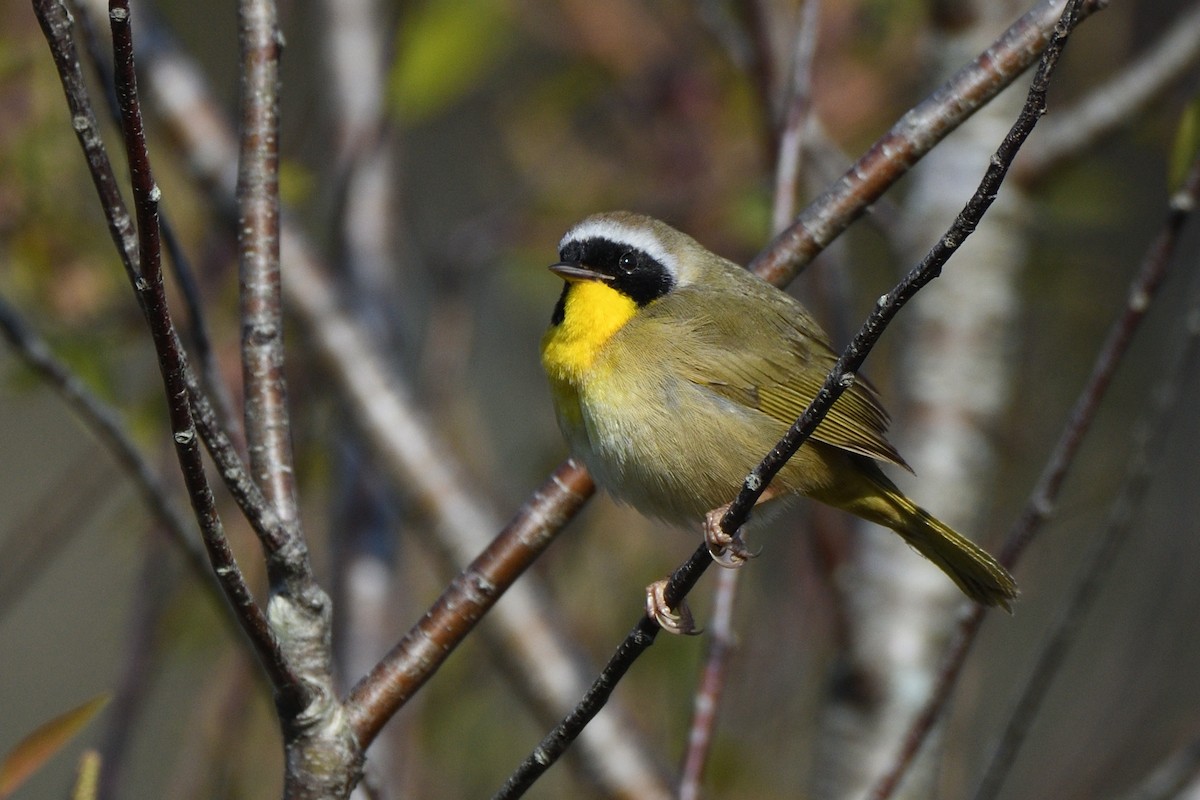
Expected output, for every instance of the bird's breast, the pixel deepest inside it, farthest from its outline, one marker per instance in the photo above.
(592, 313)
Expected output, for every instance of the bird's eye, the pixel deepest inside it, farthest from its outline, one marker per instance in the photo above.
(628, 261)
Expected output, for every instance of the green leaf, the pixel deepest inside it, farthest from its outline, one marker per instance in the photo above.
(1187, 143)
(444, 48)
(38, 747)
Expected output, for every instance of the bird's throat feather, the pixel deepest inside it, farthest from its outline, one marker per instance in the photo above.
(593, 312)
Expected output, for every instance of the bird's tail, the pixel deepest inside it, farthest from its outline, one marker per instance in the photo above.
(972, 568)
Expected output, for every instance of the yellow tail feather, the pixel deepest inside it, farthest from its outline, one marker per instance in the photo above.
(972, 568)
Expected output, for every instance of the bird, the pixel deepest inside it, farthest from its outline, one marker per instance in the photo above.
(674, 371)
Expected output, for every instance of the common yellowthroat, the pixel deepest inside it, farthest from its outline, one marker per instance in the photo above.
(674, 371)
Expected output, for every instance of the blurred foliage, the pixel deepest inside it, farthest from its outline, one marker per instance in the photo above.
(514, 118)
(42, 744)
(446, 48)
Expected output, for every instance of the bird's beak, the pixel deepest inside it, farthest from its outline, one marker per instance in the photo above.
(573, 272)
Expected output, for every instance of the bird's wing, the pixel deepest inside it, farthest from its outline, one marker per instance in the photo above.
(777, 365)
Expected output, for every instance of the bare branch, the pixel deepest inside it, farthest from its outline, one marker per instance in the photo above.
(468, 597)
(909, 139)
(1100, 556)
(268, 432)
(1115, 104)
(181, 266)
(1143, 290)
(146, 195)
(141, 259)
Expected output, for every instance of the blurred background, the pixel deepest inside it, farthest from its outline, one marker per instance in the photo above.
(434, 152)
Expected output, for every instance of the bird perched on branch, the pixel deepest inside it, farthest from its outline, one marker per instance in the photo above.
(674, 371)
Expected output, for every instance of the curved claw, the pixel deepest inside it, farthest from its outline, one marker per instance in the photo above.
(728, 551)
(678, 621)
(733, 555)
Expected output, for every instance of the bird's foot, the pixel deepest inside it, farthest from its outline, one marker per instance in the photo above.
(728, 551)
(676, 620)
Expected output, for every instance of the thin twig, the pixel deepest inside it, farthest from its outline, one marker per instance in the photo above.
(135, 251)
(56, 24)
(184, 275)
(1143, 289)
(1100, 556)
(909, 139)
(721, 643)
(1117, 103)
(106, 424)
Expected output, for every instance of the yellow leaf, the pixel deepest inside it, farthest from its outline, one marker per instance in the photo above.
(89, 776)
(38, 747)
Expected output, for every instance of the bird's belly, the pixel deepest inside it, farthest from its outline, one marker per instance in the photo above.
(669, 448)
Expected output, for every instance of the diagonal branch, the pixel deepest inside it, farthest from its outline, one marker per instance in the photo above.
(909, 139)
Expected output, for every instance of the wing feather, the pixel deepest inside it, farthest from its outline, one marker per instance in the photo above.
(777, 367)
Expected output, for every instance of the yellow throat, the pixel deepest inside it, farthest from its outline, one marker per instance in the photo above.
(592, 313)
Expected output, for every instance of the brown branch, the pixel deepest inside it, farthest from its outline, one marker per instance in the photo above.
(909, 139)
(141, 260)
(181, 266)
(146, 195)
(417, 656)
(268, 433)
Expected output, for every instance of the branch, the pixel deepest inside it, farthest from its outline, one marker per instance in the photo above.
(417, 656)
(146, 195)
(140, 257)
(184, 274)
(1142, 292)
(1101, 555)
(909, 139)
(1117, 103)
(268, 433)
